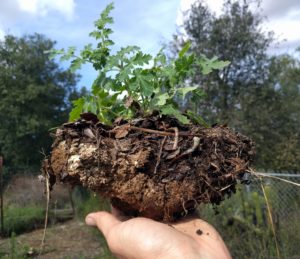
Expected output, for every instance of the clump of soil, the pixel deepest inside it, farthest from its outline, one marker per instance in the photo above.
(153, 167)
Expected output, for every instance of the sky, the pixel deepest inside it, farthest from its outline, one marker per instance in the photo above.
(143, 23)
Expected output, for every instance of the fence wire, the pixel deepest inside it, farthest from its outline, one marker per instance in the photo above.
(244, 223)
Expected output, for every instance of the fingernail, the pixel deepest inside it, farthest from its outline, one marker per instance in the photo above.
(90, 221)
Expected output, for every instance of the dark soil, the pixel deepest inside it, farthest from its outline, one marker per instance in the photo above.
(153, 167)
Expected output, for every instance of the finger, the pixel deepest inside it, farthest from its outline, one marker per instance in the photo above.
(103, 220)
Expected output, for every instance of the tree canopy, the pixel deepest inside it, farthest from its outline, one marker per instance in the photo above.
(35, 95)
(257, 94)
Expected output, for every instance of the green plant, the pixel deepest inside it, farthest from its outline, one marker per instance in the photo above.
(86, 202)
(131, 83)
(22, 219)
(17, 251)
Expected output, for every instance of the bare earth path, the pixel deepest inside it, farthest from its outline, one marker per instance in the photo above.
(72, 239)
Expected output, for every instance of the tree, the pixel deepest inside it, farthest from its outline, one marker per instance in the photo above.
(272, 116)
(235, 36)
(257, 94)
(34, 98)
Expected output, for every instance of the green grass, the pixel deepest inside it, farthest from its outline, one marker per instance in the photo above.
(22, 219)
(244, 225)
(86, 202)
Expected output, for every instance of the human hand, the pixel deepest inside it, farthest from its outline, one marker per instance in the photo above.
(145, 238)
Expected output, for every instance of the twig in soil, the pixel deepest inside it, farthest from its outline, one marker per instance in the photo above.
(226, 187)
(159, 154)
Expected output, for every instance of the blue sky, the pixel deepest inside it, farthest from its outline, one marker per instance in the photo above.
(137, 22)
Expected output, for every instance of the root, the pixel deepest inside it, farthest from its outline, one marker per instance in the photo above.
(158, 132)
(190, 150)
(176, 131)
(159, 154)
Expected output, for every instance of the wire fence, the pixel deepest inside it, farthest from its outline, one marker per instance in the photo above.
(284, 202)
(245, 224)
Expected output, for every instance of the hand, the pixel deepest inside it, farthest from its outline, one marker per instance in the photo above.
(148, 239)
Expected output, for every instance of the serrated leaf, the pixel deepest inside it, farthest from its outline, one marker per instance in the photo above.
(160, 59)
(185, 48)
(208, 65)
(128, 71)
(170, 110)
(146, 87)
(77, 109)
(185, 90)
(76, 64)
(197, 119)
(90, 104)
(220, 64)
(53, 53)
(161, 99)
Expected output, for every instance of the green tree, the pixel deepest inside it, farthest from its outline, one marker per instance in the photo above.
(257, 94)
(34, 94)
(236, 36)
(272, 116)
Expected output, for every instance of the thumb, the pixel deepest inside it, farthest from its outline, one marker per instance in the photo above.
(103, 220)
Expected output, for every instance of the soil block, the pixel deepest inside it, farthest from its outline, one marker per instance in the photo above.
(154, 167)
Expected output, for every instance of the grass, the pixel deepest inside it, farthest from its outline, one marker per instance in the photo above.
(86, 202)
(22, 219)
(243, 222)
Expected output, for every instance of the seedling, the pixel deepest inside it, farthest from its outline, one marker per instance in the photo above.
(129, 141)
(133, 84)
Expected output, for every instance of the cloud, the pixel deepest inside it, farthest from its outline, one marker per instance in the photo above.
(9, 11)
(16, 10)
(43, 7)
(280, 8)
(283, 17)
(285, 28)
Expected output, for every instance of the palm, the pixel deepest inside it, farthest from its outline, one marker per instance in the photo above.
(145, 238)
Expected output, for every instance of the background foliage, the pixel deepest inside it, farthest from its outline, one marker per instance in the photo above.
(35, 96)
(257, 93)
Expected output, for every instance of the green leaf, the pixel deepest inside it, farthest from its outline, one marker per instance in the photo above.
(69, 54)
(197, 119)
(77, 109)
(185, 48)
(160, 99)
(54, 52)
(90, 104)
(76, 64)
(184, 90)
(209, 64)
(151, 81)
(170, 110)
(160, 59)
